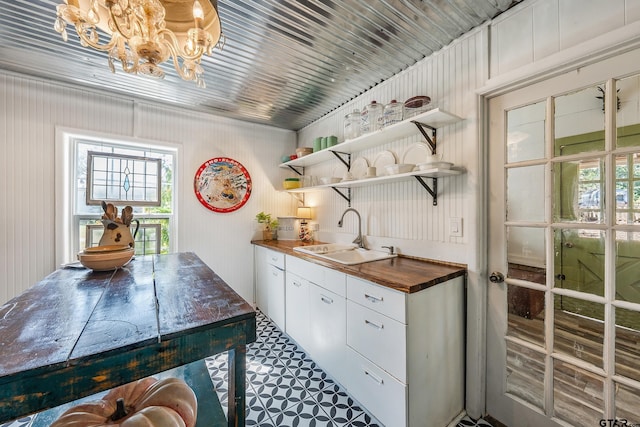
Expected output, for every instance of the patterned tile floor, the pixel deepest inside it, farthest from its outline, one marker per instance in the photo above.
(286, 388)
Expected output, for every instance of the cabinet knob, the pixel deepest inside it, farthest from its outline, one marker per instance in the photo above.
(373, 324)
(374, 377)
(372, 298)
(326, 300)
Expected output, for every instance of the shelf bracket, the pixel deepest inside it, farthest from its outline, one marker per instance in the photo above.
(299, 171)
(347, 196)
(431, 140)
(339, 155)
(433, 192)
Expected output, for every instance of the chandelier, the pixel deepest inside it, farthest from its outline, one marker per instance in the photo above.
(142, 34)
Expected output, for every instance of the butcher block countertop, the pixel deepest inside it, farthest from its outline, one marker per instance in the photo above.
(405, 274)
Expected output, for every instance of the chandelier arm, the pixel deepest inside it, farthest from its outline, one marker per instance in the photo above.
(175, 57)
(81, 31)
(175, 48)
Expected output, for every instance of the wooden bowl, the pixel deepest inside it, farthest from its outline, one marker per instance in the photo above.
(106, 261)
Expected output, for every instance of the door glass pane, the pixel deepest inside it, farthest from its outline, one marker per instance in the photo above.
(579, 260)
(526, 314)
(628, 266)
(525, 193)
(525, 373)
(526, 256)
(578, 328)
(628, 132)
(579, 122)
(579, 189)
(628, 188)
(577, 395)
(525, 132)
(627, 339)
(627, 404)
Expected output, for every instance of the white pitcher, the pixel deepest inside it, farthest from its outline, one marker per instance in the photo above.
(117, 233)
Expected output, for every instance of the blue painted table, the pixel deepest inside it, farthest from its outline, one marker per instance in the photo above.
(79, 332)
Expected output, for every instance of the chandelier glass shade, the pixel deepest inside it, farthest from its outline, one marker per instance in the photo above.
(141, 34)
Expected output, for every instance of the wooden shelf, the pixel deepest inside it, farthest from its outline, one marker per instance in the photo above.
(432, 119)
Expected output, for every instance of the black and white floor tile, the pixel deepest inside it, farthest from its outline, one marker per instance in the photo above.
(285, 388)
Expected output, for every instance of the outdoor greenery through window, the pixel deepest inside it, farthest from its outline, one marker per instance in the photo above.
(124, 175)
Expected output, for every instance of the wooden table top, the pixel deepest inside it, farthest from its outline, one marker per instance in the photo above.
(404, 274)
(78, 332)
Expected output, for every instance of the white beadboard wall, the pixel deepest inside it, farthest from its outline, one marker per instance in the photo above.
(403, 212)
(32, 110)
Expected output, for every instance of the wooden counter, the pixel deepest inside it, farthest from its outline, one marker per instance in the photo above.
(405, 274)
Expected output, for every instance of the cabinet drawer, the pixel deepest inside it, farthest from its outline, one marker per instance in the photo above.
(269, 256)
(387, 301)
(324, 277)
(379, 338)
(380, 393)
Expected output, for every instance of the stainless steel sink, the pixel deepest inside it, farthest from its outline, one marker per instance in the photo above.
(344, 254)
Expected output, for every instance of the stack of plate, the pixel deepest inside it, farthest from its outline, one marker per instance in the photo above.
(105, 258)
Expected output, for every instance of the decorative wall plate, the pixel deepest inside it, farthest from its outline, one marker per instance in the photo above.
(222, 184)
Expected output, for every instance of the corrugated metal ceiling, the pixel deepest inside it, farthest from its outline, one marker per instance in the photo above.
(286, 63)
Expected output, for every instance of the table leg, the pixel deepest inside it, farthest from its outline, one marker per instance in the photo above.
(237, 409)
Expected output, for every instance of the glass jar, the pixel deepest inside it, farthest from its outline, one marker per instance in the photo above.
(392, 113)
(370, 117)
(352, 125)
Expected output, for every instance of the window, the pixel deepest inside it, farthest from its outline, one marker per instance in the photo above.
(123, 174)
(123, 178)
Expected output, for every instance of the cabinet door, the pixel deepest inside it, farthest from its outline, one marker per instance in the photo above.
(262, 274)
(327, 324)
(275, 298)
(297, 309)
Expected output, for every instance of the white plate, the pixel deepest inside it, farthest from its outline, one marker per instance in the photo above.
(434, 165)
(339, 170)
(417, 153)
(383, 159)
(359, 168)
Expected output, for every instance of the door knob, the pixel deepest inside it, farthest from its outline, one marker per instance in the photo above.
(496, 277)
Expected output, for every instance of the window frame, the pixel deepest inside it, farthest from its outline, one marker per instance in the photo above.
(66, 223)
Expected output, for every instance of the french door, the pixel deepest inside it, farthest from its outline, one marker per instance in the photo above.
(563, 321)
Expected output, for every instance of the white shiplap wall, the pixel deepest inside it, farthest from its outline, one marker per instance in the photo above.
(403, 212)
(32, 110)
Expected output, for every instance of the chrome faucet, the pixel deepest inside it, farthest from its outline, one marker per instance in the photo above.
(358, 240)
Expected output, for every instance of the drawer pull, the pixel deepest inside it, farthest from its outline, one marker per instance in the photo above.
(374, 377)
(373, 325)
(326, 299)
(274, 259)
(297, 284)
(372, 298)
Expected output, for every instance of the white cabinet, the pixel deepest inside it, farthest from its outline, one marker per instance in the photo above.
(327, 319)
(270, 284)
(400, 355)
(405, 355)
(317, 323)
(297, 309)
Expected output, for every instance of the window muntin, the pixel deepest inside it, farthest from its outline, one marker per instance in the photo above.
(120, 178)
